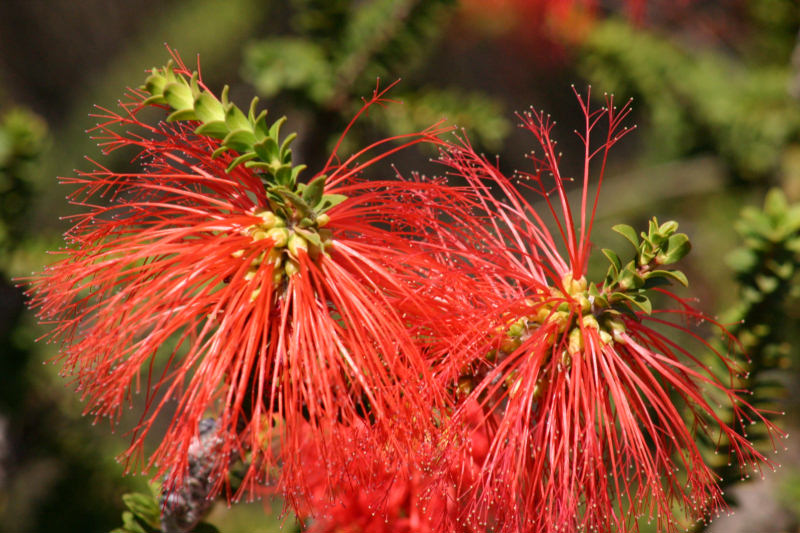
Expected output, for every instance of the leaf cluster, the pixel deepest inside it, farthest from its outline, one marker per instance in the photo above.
(628, 285)
(766, 266)
(698, 101)
(23, 138)
(255, 143)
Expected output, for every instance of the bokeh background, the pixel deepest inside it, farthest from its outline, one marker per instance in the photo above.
(717, 105)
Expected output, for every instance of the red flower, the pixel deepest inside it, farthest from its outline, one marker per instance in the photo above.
(183, 281)
(397, 502)
(594, 411)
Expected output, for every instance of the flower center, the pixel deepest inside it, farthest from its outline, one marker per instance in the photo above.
(288, 242)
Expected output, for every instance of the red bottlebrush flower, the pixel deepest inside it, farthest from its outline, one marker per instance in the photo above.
(217, 293)
(397, 502)
(594, 412)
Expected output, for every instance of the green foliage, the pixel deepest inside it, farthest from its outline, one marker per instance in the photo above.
(765, 265)
(257, 143)
(629, 285)
(144, 515)
(698, 100)
(23, 138)
(340, 48)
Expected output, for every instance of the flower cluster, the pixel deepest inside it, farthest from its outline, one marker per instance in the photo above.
(429, 354)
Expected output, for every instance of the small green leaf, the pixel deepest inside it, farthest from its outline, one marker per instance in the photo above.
(208, 108)
(178, 96)
(766, 284)
(668, 228)
(328, 201)
(216, 129)
(283, 176)
(312, 194)
(239, 160)
(144, 507)
(310, 236)
(613, 258)
(236, 120)
(677, 248)
(181, 114)
(639, 300)
(267, 150)
(676, 275)
(286, 143)
(275, 129)
(239, 140)
(651, 283)
(628, 232)
(130, 524)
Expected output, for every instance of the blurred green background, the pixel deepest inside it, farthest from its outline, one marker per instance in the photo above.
(717, 103)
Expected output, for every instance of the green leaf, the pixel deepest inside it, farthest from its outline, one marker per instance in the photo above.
(267, 150)
(240, 140)
(144, 507)
(766, 284)
(130, 524)
(668, 228)
(651, 283)
(677, 248)
(613, 258)
(283, 176)
(208, 108)
(310, 236)
(676, 275)
(236, 120)
(628, 232)
(312, 194)
(328, 201)
(216, 129)
(155, 83)
(181, 114)
(239, 160)
(639, 300)
(178, 96)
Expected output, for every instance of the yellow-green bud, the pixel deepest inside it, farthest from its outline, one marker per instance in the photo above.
(322, 220)
(291, 268)
(589, 321)
(269, 219)
(295, 244)
(279, 236)
(575, 345)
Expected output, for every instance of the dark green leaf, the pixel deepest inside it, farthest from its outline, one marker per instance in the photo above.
(613, 258)
(312, 194)
(628, 232)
